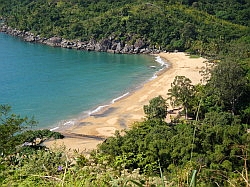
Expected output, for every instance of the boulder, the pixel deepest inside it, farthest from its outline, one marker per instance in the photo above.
(118, 47)
(54, 41)
(139, 44)
(128, 49)
(103, 45)
(90, 45)
(111, 51)
(29, 38)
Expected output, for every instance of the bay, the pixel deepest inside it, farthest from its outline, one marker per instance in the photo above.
(56, 85)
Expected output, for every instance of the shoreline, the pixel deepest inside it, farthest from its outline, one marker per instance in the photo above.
(103, 45)
(72, 119)
(120, 115)
(65, 124)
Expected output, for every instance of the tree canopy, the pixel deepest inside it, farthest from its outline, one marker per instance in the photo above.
(10, 126)
(212, 140)
(228, 83)
(181, 92)
(157, 108)
(201, 26)
(16, 130)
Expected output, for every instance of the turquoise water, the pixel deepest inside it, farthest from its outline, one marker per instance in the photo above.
(57, 85)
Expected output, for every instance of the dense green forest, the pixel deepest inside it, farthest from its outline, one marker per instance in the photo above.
(198, 26)
(207, 144)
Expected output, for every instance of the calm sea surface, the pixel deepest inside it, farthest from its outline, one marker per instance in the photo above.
(57, 85)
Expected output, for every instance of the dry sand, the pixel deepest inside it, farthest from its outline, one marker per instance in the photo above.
(120, 115)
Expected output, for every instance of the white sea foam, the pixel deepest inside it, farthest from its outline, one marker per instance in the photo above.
(98, 109)
(153, 77)
(71, 122)
(160, 61)
(163, 65)
(53, 129)
(63, 124)
(118, 98)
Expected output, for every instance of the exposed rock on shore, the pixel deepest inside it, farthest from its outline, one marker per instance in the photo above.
(105, 45)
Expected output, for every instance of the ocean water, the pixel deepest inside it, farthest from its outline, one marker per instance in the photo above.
(57, 85)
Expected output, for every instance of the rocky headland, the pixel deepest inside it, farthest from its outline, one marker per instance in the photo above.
(110, 44)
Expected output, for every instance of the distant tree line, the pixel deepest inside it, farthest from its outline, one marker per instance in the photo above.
(210, 135)
(203, 27)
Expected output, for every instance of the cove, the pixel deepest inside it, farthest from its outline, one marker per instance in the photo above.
(56, 85)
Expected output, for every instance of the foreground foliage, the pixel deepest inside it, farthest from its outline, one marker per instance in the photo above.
(152, 153)
(209, 146)
(15, 132)
(211, 142)
(218, 150)
(213, 138)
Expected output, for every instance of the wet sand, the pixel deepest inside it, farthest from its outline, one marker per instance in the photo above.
(91, 131)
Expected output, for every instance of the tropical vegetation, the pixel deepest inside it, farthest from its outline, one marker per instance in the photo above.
(204, 27)
(205, 144)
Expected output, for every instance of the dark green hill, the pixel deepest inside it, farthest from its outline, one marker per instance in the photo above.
(211, 143)
(200, 26)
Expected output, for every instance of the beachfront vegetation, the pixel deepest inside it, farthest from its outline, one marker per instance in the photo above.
(152, 153)
(157, 108)
(214, 140)
(181, 92)
(209, 137)
(209, 148)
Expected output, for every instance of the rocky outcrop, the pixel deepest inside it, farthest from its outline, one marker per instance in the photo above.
(105, 45)
(54, 41)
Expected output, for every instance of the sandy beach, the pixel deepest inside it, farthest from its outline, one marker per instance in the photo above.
(120, 115)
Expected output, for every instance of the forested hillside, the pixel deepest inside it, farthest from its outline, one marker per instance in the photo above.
(205, 145)
(198, 26)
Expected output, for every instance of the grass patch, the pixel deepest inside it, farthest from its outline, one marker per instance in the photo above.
(194, 56)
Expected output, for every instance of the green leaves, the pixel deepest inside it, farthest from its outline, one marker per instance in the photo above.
(157, 108)
(169, 25)
(13, 132)
(213, 146)
(181, 92)
(228, 82)
(10, 126)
